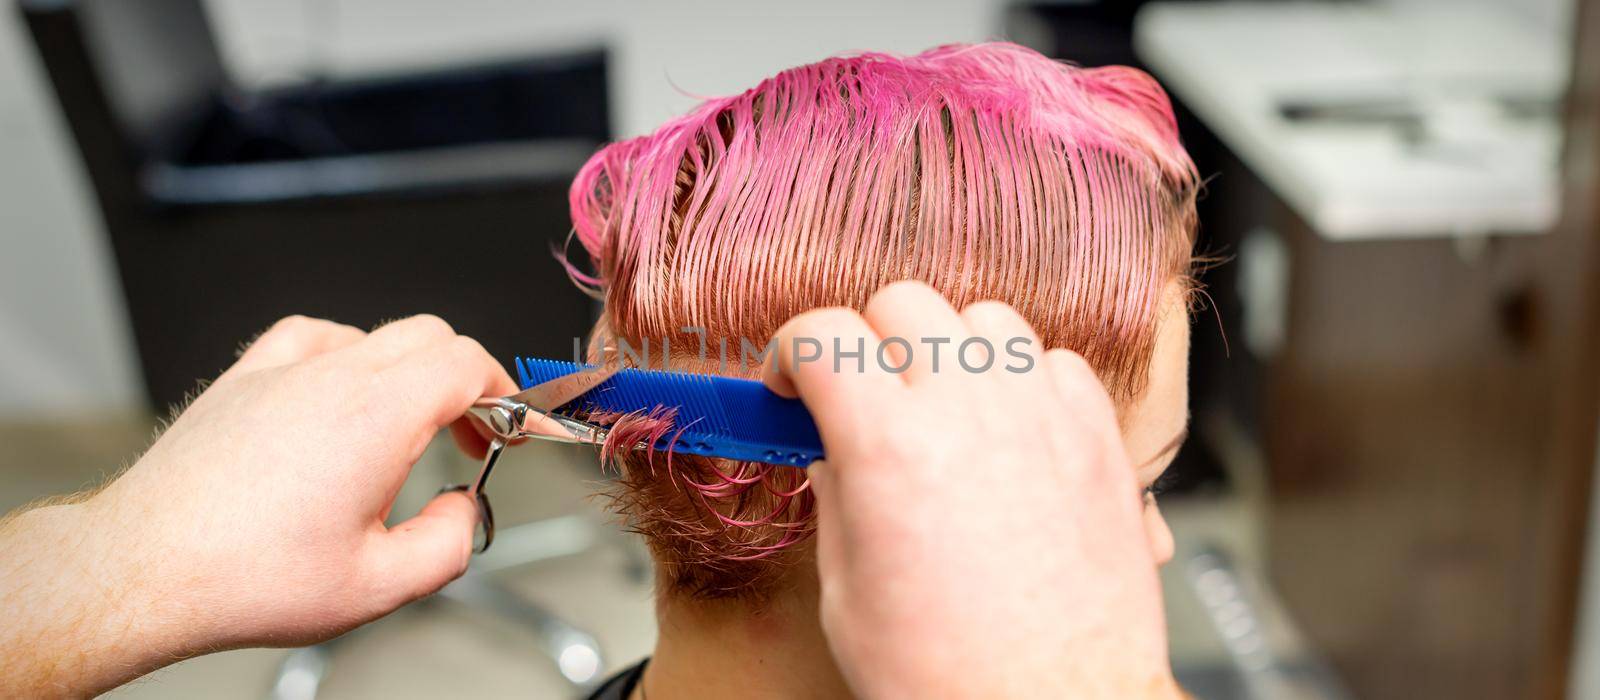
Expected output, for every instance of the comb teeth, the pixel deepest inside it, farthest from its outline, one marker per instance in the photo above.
(714, 416)
(693, 396)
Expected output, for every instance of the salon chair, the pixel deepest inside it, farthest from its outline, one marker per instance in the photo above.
(358, 200)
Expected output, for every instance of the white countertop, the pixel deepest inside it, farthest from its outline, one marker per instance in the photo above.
(1479, 172)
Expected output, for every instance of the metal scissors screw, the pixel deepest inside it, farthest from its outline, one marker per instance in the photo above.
(529, 415)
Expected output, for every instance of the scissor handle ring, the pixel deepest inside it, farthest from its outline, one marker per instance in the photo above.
(485, 515)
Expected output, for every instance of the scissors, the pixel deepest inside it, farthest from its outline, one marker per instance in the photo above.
(529, 415)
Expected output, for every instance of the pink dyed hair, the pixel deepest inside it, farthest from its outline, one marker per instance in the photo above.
(988, 171)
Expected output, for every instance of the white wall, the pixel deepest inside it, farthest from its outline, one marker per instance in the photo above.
(699, 47)
(63, 333)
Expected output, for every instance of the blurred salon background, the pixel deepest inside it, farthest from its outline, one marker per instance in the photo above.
(1388, 489)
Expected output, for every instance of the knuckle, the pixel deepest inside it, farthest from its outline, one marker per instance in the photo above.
(467, 348)
(1070, 366)
(288, 333)
(347, 330)
(991, 308)
(991, 314)
(837, 316)
(1080, 387)
(291, 325)
(428, 325)
(908, 286)
(903, 292)
(827, 321)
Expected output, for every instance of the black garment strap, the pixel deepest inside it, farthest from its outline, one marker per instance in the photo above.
(620, 686)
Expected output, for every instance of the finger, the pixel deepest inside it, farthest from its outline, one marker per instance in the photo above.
(803, 365)
(422, 554)
(1080, 392)
(292, 340)
(390, 342)
(1014, 352)
(915, 320)
(434, 386)
(470, 437)
(832, 524)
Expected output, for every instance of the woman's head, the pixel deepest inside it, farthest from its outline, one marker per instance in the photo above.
(987, 171)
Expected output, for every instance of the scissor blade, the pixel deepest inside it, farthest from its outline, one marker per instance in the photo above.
(558, 428)
(562, 390)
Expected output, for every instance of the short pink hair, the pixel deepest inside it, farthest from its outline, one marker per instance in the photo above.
(987, 171)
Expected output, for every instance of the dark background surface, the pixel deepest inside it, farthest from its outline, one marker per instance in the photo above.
(438, 192)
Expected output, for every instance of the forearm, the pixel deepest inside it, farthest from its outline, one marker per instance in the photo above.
(83, 612)
(1099, 673)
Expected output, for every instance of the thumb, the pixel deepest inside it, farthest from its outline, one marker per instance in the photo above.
(421, 555)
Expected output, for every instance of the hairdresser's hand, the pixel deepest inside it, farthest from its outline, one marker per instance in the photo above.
(257, 518)
(979, 535)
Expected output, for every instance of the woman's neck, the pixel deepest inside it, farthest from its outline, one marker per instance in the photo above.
(739, 649)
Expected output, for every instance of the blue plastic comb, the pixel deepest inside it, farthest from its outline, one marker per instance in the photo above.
(722, 417)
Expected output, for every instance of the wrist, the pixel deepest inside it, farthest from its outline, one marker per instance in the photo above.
(148, 587)
(102, 604)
